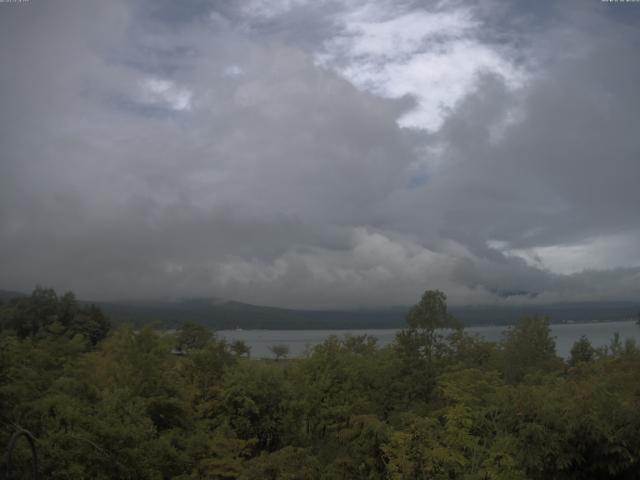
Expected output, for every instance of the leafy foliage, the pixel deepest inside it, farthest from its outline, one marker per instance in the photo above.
(279, 351)
(527, 348)
(436, 404)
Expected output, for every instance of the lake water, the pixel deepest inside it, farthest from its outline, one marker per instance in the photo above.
(299, 340)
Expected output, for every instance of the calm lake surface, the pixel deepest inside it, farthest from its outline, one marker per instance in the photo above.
(299, 340)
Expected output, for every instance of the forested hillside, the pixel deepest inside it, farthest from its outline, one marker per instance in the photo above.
(227, 314)
(230, 315)
(135, 404)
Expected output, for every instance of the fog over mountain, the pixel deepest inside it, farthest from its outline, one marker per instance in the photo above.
(321, 154)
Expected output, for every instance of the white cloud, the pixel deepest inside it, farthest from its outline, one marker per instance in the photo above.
(271, 8)
(599, 253)
(233, 71)
(165, 93)
(434, 56)
(347, 274)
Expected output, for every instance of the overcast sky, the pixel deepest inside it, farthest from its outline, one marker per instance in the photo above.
(320, 153)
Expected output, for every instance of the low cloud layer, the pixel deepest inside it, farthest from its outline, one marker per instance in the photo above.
(321, 154)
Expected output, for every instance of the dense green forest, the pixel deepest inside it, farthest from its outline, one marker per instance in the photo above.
(126, 403)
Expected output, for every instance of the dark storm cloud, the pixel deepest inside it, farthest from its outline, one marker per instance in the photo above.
(566, 170)
(164, 149)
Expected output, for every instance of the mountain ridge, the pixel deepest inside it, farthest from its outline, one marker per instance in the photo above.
(230, 314)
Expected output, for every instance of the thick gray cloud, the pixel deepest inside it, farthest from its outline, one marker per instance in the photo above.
(320, 154)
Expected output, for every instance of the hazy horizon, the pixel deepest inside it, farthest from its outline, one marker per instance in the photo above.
(321, 154)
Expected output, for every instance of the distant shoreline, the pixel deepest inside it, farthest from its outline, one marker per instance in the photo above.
(347, 329)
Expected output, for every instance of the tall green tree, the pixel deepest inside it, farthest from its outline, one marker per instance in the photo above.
(192, 336)
(582, 351)
(528, 347)
(421, 346)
